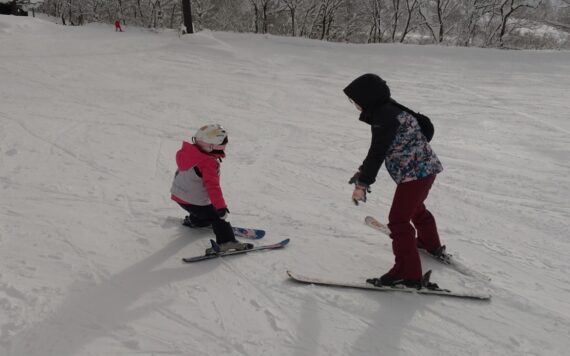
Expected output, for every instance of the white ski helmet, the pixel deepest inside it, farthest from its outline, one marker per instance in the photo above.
(211, 139)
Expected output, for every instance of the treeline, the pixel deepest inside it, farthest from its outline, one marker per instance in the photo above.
(486, 23)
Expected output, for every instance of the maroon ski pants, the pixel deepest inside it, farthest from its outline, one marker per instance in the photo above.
(408, 207)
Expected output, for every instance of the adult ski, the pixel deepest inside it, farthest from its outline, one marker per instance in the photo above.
(274, 246)
(358, 284)
(446, 258)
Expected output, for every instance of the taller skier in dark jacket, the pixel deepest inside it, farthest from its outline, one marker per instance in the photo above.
(400, 138)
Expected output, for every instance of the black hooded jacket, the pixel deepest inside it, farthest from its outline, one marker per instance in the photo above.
(372, 94)
(380, 111)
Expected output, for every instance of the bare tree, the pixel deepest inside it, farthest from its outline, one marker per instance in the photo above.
(325, 17)
(292, 6)
(506, 10)
(436, 14)
(412, 7)
(374, 12)
(395, 18)
(255, 7)
(310, 13)
(473, 11)
(261, 13)
(564, 15)
(350, 22)
(202, 8)
(187, 13)
(466, 22)
(426, 22)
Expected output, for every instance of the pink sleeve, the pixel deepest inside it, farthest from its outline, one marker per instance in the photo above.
(183, 160)
(211, 178)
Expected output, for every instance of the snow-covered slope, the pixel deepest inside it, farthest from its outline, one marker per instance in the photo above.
(90, 243)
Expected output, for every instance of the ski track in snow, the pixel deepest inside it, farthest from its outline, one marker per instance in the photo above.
(90, 243)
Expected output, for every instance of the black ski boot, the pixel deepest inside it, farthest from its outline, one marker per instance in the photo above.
(441, 255)
(391, 281)
(192, 221)
(233, 245)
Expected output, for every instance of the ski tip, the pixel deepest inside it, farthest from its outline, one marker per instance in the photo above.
(295, 276)
(285, 242)
(192, 259)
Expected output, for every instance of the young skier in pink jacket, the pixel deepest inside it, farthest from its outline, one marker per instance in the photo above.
(196, 186)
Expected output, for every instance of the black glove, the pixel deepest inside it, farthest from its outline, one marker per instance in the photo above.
(354, 178)
(223, 213)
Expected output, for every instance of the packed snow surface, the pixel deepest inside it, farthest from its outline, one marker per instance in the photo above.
(91, 244)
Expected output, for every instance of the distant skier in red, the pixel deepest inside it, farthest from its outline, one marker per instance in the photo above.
(118, 26)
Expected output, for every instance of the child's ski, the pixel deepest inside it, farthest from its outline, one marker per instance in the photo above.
(446, 258)
(334, 282)
(235, 252)
(248, 233)
(242, 232)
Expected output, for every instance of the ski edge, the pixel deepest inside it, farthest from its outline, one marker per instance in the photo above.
(276, 245)
(362, 285)
(239, 231)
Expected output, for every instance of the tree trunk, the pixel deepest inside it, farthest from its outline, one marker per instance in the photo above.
(324, 24)
(427, 24)
(256, 17)
(292, 13)
(440, 20)
(187, 13)
(396, 6)
(410, 10)
(303, 29)
(503, 27)
(265, 20)
(375, 34)
(70, 20)
(174, 6)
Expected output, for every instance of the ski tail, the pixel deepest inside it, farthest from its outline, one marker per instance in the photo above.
(447, 259)
(358, 284)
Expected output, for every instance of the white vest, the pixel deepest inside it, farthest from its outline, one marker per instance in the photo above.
(188, 186)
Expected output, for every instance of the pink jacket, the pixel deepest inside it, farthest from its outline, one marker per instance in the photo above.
(188, 187)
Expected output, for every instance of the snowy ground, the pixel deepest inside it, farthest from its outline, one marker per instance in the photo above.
(90, 243)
